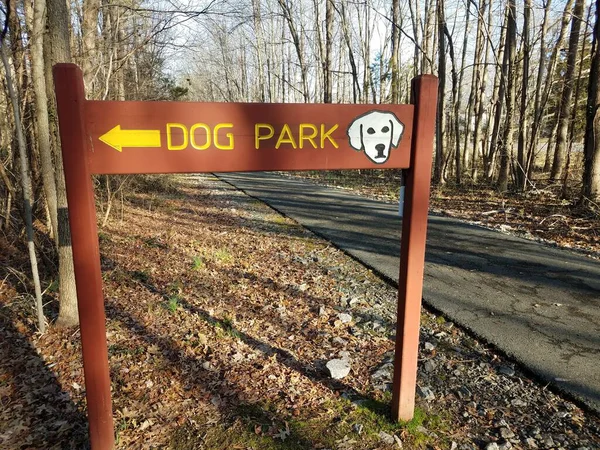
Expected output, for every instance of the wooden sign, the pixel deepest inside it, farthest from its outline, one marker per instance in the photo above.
(170, 137)
(159, 137)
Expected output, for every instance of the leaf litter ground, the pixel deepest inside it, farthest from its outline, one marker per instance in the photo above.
(221, 315)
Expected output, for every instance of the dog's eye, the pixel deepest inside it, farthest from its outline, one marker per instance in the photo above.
(371, 131)
(385, 129)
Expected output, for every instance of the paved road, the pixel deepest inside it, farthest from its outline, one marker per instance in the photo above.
(538, 304)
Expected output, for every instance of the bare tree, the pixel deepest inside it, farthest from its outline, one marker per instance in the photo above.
(395, 46)
(25, 183)
(591, 169)
(508, 66)
(59, 51)
(521, 170)
(438, 167)
(565, 102)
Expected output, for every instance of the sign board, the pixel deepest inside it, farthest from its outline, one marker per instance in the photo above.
(158, 137)
(99, 137)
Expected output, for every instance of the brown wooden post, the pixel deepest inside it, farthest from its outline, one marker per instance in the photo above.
(70, 97)
(412, 253)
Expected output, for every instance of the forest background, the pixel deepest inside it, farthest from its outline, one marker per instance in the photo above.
(518, 108)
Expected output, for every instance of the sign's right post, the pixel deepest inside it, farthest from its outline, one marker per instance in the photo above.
(412, 252)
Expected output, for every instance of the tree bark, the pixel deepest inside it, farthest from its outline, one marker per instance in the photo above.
(328, 84)
(441, 116)
(522, 169)
(591, 168)
(508, 75)
(456, 112)
(498, 101)
(480, 85)
(348, 41)
(58, 34)
(27, 191)
(297, 41)
(567, 93)
(537, 109)
(395, 46)
(90, 36)
(37, 25)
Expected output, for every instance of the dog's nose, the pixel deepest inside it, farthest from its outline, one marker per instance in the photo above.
(380, 148)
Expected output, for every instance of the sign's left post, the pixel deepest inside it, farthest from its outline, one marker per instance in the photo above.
(70, 97)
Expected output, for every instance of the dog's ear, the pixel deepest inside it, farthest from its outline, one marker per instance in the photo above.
(397, 130)
(355, 135)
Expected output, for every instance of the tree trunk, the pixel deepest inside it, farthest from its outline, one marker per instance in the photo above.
(328, 84)
(537, 105)
(498, 100)
(521, 170)
(456, 106)
(415, 18)
(591, 168)
(27, 191)
(480, 85)
(441, 116)
(509, 78)
(427, 60)
(58, 34)
(577, 96)
(297, 41)
(395, 50)
(37, 25)
(567, 93)
(90, 36)
(348, 41)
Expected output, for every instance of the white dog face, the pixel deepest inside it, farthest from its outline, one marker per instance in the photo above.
(375, 132)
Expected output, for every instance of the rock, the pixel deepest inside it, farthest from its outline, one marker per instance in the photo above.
(358, 428)
(384, 372)
(429, 346)
(386, 438)
(377, 326)
(492, 446)
(338, 340)
(322, 311)
(530, 443)
(426, 393)
(345, 318)
(548, 441)
(506, 433)
(398, 442)
(345, 356)
(506, 370)
(338, 368)
(464, 393)
(429, 366)
(519, 403)
(505, 445)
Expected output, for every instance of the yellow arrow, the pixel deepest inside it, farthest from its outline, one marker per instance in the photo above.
(118, 138)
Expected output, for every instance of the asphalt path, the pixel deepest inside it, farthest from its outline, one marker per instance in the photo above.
(538, 304)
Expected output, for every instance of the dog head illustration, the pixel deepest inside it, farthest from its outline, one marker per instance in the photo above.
(375, 132)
